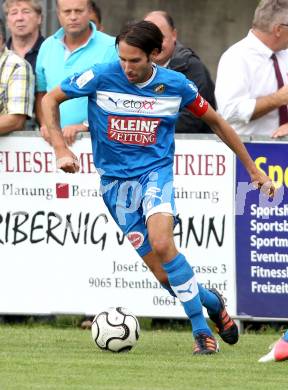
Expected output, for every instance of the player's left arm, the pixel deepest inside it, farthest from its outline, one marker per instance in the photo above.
(66, 160)
(201, 108)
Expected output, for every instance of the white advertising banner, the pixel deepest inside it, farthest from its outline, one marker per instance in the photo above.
(61, 252)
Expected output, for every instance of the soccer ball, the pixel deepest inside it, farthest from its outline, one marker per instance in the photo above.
(115, 329)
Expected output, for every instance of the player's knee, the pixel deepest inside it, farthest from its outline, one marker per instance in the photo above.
(160, 246)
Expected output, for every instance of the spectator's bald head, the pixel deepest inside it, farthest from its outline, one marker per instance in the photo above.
(165, 24)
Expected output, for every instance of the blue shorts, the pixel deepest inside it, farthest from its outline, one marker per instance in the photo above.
(131, 202)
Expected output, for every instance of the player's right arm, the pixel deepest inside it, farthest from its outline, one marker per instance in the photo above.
(229, 136)
(66, 160)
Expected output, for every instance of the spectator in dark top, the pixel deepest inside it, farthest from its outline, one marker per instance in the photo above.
(181, 59)
(96, 15)
(24, 19)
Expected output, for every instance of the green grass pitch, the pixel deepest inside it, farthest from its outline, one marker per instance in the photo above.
(43, 357)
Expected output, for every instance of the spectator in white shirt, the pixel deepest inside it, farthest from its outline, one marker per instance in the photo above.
(247, 92)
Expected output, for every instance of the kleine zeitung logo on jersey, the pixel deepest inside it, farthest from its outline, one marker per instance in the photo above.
(133, 130)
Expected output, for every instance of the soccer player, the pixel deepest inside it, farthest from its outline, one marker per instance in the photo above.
(279, 351)
(132, 110)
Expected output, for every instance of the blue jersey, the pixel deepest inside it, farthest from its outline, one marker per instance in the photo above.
(131, 125)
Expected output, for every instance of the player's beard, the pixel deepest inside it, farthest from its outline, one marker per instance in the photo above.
(140, 77)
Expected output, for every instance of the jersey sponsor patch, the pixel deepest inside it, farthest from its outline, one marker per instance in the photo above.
(121, 103)
(84, 78)
(199, 106)
(133, 130)
(136, 239)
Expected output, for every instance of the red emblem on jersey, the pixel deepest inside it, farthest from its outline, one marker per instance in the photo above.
(136, 239)
(133, 130)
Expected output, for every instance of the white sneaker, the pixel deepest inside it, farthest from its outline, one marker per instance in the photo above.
(278, 353)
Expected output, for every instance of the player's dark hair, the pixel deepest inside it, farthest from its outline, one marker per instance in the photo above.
(144, 35)
(2, 30)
